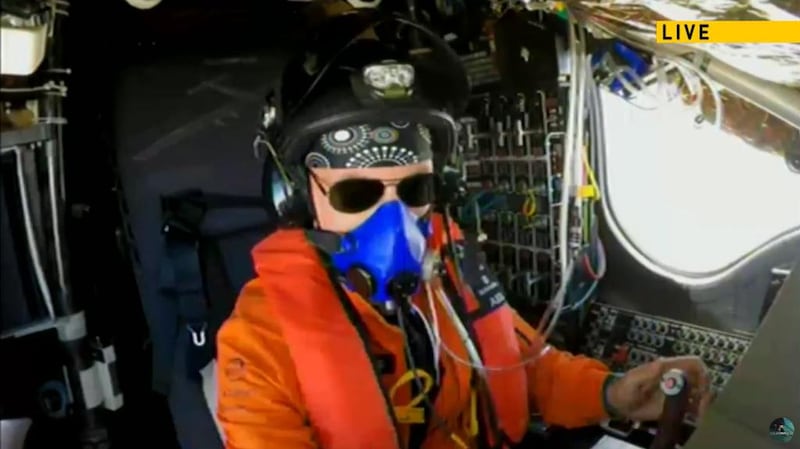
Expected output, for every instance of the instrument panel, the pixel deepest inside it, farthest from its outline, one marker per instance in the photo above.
(625, 339)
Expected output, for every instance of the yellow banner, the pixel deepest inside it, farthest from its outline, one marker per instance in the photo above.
(727, 32)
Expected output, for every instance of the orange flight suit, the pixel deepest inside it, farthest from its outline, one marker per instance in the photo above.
(263, 404)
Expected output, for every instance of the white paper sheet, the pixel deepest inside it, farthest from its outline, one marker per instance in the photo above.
(608, 442)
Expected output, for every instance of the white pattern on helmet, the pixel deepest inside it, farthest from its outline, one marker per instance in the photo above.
(346, 140)
(317, 160)
(392, 155)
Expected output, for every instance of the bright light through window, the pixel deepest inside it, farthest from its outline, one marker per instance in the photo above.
(691, 197)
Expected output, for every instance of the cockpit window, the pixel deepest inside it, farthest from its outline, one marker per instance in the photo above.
(691, 198)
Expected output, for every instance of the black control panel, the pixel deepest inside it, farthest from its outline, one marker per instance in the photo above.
(625, 339)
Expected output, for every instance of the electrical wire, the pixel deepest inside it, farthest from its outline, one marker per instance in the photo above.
(556, 308)
(635, 84)
(690, 73)
(691, 68)
(590, 173)
(529, 205)
(595, 274)
(559, 301)
(482, 368)
(585, 298)
(580, 71)
(678, 276)
(33, 247)
(418, 381)
(563, 228)
(496, 201)
(580, 124)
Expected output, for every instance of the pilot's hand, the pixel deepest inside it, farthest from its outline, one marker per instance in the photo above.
(637, 394)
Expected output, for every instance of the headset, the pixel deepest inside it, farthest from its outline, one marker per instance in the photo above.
(287, 129)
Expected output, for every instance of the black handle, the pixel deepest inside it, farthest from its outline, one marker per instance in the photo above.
(676, 391)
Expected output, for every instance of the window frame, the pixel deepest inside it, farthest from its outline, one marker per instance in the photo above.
(683, 277)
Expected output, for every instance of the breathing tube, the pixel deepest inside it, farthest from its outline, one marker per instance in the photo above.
(402, 289)
(436, 293)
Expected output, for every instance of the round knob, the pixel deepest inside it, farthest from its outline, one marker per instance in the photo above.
(672, 382)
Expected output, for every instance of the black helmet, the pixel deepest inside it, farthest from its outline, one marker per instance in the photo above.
(357, 68)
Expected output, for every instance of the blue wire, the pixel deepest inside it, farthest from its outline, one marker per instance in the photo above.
(589, 293)
(497, 201)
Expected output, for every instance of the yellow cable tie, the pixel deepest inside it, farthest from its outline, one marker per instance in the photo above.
(588, 192)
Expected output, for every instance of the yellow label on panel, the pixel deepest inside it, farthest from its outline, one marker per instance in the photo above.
(727, 31)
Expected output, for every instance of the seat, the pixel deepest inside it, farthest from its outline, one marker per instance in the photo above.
(188, 125)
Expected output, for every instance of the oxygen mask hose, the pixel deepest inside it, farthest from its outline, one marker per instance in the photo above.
(403, 286)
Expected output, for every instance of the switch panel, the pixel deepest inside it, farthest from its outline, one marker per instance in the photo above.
(510, 154)
(625, 339)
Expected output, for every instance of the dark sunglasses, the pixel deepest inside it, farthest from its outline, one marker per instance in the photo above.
(356, 195)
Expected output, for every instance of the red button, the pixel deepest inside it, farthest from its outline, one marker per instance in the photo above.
(670, 383)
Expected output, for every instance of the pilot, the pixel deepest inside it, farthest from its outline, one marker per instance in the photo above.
(372, 322)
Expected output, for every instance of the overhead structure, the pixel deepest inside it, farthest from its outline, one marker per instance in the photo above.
(757, 85)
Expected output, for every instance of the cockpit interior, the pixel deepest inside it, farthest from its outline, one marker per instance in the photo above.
(643, 198)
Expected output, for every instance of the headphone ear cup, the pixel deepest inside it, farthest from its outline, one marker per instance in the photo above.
(288, 201)
(299, 209)
(278, 194)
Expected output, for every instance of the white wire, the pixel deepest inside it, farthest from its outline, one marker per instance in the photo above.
(432, 335)
(480, 365)
(573, 146)
(472, 351)
(602, 261)
(636, 85)
(719, 117)
(692, 76)
(559, 300)
(566, 176)
(580, 113)
(33, 247)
